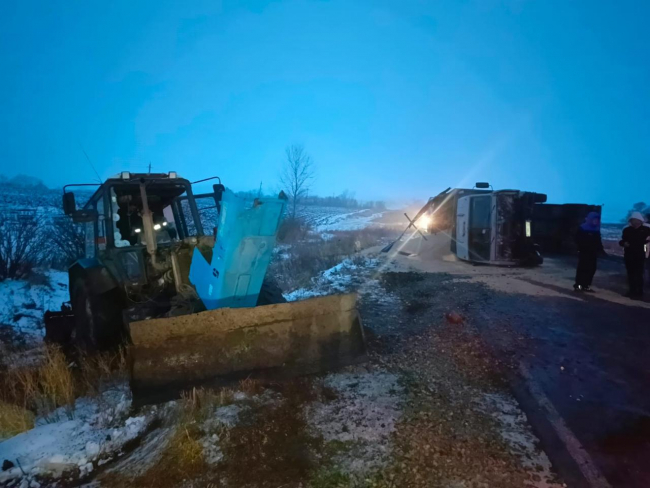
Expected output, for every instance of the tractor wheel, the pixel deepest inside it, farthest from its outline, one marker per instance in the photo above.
(270, 293)
(98, 319)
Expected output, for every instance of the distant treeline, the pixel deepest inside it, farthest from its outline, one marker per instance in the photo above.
(23, 181)
(345, 200)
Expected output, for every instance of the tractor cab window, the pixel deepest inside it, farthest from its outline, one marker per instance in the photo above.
(126, 219)
(101, 225)
(95, 232)
(208, 213)
(171, 214)
(89, 239)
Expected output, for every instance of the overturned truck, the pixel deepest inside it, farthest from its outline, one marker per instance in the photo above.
(180, 278)
(487, 226)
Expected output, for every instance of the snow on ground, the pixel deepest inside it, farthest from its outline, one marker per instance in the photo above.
(337, 279)
(24, 303)
(71, 443)
(515, 430)
(362, 417)
(328, 219)
(351, 221)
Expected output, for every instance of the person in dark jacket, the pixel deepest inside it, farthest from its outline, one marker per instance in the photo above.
(636, 237)
(590, 246)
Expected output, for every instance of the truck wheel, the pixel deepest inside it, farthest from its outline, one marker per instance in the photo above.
(270, 293)
(98, 319)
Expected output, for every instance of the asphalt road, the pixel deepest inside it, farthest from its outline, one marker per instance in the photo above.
(584, 360)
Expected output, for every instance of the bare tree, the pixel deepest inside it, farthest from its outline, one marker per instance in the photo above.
(297, 175)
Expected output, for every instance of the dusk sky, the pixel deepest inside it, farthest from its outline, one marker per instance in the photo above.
(393, 100)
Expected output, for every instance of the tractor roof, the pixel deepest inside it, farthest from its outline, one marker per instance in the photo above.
(128, 176)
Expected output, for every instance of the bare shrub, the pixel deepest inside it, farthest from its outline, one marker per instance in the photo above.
(20, 243)
(68, 241)
(293, 229)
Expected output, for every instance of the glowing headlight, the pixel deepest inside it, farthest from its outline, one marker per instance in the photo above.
(164, 224)
(156, 227)
(137, 231)
(424, 222)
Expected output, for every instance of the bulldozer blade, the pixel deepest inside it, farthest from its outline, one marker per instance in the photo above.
(216, 347)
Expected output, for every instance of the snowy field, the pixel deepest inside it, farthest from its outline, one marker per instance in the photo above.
(24, 303)
(327, 219)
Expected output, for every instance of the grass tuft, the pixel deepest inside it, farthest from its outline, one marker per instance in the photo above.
(53, 382)
(251, 386)
(14, 419)
(97, 371)
(42, 388)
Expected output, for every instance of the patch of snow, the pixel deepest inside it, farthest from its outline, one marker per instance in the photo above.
(337, 279)
(24, 304)
(224, 418)
(363, 416)
(515, 430)
(71, 441)
(302, 294)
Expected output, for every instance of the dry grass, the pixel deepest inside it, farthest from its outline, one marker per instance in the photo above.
(97, 371)
(251, 386)
(312, 254)
(14, 419)
(55, 382)
(43, 388)
(51, 383)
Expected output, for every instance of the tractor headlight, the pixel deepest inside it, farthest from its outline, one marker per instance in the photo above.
(137, 231)
(156, 227)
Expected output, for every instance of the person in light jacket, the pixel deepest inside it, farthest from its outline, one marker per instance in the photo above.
(590, 246)
(635, 239)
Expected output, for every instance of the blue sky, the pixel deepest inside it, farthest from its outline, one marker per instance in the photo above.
(394, 100)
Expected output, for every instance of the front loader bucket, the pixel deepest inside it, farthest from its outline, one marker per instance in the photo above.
(215, 347)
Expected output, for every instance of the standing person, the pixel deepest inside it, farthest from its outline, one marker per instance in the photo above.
(590, 245)
(636, 237)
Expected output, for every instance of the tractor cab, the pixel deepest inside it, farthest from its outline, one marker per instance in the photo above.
(133, 223)
(114, 214)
